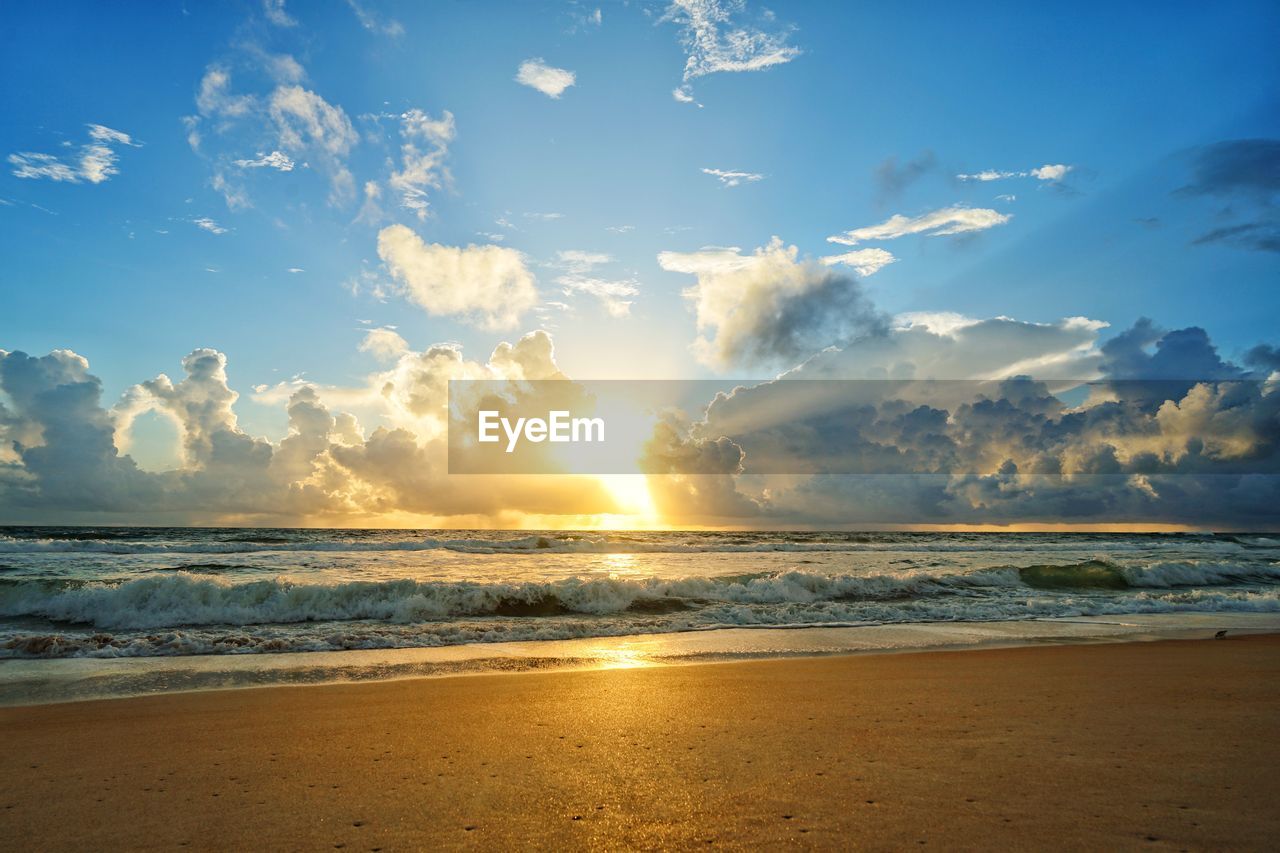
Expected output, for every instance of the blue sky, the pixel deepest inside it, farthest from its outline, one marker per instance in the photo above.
(860, 113)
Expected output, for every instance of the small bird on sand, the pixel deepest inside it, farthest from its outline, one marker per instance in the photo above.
(1221, 635)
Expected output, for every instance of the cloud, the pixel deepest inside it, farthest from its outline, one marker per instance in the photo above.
(214, 99)
(732, 178)
(489, 286)
(308, 124)
(209, 225)
(892, 179)
(304, 128)
(937, 223)
(95, 161)
(614, 295)
(375, 23)
(422, 168)
(716, 40)
(1247, 173)
(384, 344)
(1048, 172)
(769, 308)
(275, 160)
(550, 81)
(274, 10)
(864, 262)
(1236, 167)
(1205, 451)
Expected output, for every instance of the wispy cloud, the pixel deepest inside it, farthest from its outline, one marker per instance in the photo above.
(716, 40)
(1053, 172)
(731, 178)
(422, 167)
(375, 23)
(276, 14)
(543, 217)
(275, 160)
(615, 295)
(94, 162)
(209, 225)
(864, 262)
(937, 223)
(547, 79)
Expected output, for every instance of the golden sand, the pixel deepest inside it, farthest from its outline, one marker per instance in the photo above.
(1169, 745)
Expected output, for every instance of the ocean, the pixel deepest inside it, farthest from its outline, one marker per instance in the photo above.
(95, 593)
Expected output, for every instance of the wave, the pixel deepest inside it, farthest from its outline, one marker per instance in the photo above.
(172, 599)
(585, 544)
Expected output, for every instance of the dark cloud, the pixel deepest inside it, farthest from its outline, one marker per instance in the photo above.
(892, 179)
(1245, 172)
(1261, 236)
(1236, 167)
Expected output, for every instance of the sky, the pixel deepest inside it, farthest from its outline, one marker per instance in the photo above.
(219, 220)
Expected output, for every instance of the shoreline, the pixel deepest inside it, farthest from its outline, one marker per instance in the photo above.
(1170, 744)
(26, 682)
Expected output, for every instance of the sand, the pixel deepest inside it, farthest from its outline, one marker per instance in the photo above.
(1170, 745)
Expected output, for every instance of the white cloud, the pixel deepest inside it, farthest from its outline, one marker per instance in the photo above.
(215, 99)
(864, 262)
(275, 160)
(542, 217)
(489, 286)
(307, 123)
(576, 260)
(274, 10)
(384, 344)
(548, 80)
(1047, 172)
(1051, 172)
(729, 178)
(620, 229)
(374, 23)
(714, 41)
(295, 270)
(94, 163)
(937, 223)
(422, 168)
(615, 296)
(209, 225)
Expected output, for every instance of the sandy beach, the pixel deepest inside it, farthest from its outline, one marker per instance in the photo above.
(1167, 744)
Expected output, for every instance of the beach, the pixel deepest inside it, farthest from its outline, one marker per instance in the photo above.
(1169, 745)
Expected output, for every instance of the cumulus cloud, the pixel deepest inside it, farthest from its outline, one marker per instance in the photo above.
(94, 161)
(937, 223)
(864, 262)
(547, 79)
(716, 39)
(62, 452)
(731, 178)
(769, 308)
(384, 344)
(1049, 172)
(423, 151)
(489, 286)
(1202, 450)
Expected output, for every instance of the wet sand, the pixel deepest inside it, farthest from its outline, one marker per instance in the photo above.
(1168, 745)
